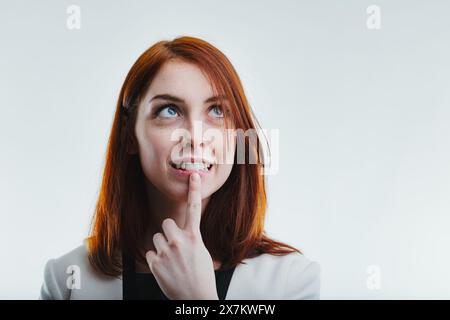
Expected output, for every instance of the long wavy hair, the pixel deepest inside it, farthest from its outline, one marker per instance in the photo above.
(232, 225)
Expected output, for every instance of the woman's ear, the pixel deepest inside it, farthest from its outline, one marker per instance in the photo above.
(132, 147)
(131, 142)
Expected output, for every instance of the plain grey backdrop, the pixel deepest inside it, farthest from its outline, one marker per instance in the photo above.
(364, 180)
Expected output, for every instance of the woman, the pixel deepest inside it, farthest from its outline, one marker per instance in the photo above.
(178, 215)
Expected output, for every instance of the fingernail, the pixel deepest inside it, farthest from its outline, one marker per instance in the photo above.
(194, 177)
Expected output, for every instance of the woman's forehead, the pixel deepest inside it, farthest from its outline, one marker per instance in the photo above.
(181, 79)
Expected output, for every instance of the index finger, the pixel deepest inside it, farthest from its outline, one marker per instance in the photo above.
(194, 204)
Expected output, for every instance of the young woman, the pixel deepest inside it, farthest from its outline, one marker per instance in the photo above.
(178, 216)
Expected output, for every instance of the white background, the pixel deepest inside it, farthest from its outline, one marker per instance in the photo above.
(363, 116)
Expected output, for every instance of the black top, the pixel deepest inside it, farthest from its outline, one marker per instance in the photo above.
(143, 286)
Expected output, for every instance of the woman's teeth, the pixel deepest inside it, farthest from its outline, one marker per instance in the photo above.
(192, 166)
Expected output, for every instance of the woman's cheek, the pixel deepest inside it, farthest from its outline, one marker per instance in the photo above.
(219, 178)
(151, 154)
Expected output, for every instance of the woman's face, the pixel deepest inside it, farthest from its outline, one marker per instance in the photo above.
(180, 129)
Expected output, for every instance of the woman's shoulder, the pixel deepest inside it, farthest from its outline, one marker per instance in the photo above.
(76, 256)
(289, 276)
(71, 275)
(280, 259)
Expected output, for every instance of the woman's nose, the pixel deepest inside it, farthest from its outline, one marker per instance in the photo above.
(196, 137)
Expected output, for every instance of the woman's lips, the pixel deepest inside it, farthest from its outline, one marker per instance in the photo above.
(184, 173)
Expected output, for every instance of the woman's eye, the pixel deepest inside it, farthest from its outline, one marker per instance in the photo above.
(217, 111)
(168, 111)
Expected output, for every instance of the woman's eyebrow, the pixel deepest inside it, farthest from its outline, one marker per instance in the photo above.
(216, 98)
(170, 97)
(166, 96)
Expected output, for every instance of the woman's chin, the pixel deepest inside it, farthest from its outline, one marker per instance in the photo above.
(178, 195)
(179, 192)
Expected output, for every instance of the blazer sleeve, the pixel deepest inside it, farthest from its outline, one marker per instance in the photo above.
(51, 288)
(303, 281)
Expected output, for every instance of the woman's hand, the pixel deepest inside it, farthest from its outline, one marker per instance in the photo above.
(182, 265)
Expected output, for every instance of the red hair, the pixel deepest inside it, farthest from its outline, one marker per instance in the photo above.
(232, 224)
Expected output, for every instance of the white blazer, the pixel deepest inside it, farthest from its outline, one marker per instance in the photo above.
(266, 277)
